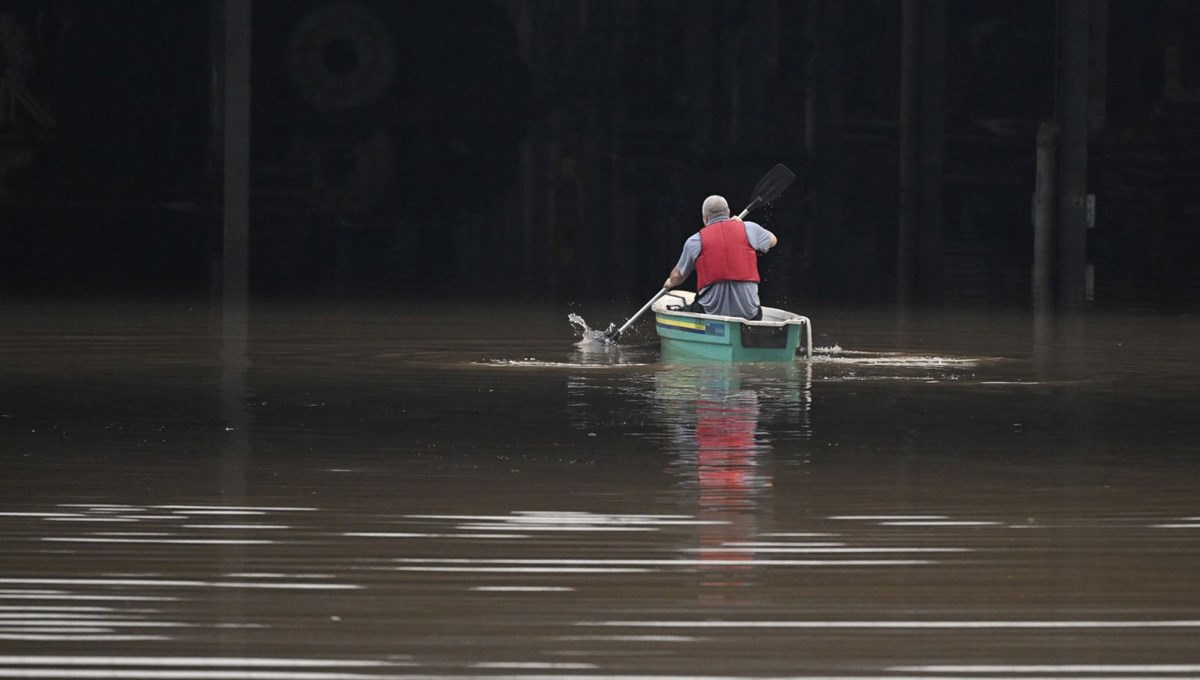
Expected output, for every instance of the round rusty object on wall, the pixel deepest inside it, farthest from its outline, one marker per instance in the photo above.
(342, 56)
(16, 54)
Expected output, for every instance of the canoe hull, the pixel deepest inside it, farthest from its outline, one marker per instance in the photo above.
(707, 337)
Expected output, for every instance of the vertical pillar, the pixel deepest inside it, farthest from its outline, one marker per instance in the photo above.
(216, 101)
(233, 85)
(932, 154)
(1097, 66)
(910, 84)
(919, 247)
(235, 250)
(233, 76)
(1072, 106)
(518, 222)
(1043, 219)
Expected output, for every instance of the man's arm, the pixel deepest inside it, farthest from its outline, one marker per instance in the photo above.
(687, 261)
(760, 236)
(674, 279)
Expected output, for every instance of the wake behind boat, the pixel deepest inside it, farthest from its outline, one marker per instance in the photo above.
(693, 335)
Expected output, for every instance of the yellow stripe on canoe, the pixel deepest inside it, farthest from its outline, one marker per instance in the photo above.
(687, 324)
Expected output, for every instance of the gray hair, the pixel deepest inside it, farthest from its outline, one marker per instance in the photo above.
(714, 206)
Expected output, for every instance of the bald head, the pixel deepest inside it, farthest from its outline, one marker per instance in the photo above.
(714, 206)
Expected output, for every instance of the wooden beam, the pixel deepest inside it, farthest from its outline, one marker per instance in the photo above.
(910, 95)
(1072, 115)
(234, 76)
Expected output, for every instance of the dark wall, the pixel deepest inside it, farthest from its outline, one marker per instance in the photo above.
(561, 149)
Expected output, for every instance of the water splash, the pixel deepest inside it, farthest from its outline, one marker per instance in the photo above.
(530, 362)
(896, 359)
(588, 335)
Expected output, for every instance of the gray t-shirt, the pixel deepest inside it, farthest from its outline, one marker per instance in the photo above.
(727, 298)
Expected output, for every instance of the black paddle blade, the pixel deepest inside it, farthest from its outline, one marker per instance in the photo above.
(771, 186)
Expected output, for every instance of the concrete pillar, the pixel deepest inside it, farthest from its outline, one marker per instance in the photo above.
(920, 248)
(233, 88)
(1097, 66)
(1072, 115)
(910, 83)
(1043, 218)
(931, 159)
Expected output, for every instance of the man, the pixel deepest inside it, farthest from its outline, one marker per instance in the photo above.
(725, 255)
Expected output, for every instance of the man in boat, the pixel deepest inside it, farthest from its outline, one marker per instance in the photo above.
(724, 254)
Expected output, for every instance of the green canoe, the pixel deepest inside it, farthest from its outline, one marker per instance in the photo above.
(690, 335)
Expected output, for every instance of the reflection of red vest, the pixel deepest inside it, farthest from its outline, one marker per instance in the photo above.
(725, 254)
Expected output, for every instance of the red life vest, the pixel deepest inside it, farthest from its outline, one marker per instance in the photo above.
(725, 254)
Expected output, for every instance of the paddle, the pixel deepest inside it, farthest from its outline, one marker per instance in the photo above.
(768, 189)
(612, 335)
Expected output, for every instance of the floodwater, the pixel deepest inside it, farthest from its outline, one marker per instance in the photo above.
(315, 492)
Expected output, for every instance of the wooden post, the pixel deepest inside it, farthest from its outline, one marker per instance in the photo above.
(931, 158)
(910, 90)
(1072, 106)
(233, 88)
(919, 247)
(1043, 218)
(235, 75)
(214, 158)
(1097, 66)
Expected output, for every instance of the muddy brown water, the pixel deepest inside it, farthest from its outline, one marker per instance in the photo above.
(317, 492)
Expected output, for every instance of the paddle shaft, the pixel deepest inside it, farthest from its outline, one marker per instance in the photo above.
(640, 312)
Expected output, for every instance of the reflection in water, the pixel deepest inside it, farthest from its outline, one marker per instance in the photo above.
(714, 411)
(724, 425)
(726, 456)
(236, 420)
(235, 325)
(714, 421)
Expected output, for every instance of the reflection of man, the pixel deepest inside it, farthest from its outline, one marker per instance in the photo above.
(727, 472)
(726, 450)
(725, 255)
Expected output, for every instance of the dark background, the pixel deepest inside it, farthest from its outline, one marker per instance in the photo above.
(560, 149)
